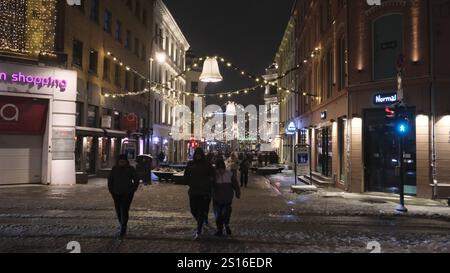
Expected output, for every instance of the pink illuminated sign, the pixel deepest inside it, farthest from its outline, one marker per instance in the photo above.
(34, 81)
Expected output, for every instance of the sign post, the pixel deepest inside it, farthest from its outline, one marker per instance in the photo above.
(302, 161)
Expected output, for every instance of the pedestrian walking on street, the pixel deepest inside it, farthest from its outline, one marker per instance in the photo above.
(225, 187)
(122, 184)
(233, 163)
(244, 169)
(200, 176)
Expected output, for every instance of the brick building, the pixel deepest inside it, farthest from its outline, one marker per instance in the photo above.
(349, 53)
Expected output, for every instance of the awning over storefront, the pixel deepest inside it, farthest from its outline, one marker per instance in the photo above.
(87, 131)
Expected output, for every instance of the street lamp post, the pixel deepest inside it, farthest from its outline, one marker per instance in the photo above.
(149, 109)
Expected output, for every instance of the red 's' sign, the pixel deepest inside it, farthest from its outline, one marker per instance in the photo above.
(130, 122)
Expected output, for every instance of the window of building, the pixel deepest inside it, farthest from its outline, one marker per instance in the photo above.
(160, 113)
(157, 33)
(95, 11)
(106, 69)
(155, 109)
(136, 46)
(387, 45)
(144, 53)
(137, 10)
(342, 63)
(79, 118)
(81, 6)
(107, 22)
(329, 73)
(128, 39)
(77, 53)
(118, 35)
(93, 61)
(194, 87)
(92, 116)
(116, 120)
(144, 17)
(127, 80)
(117, 72)
(136, 84)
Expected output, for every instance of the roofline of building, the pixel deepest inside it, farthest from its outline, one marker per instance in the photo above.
(289, 27)
(173, 26)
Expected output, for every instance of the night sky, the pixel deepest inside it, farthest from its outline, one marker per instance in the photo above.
(245, 32)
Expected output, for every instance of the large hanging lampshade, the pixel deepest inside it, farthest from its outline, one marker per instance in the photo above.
(211, 72)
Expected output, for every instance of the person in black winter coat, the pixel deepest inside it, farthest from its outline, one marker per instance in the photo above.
(122, 184)
(244, 169)
(199, 175)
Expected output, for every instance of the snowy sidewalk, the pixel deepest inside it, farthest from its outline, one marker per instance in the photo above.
(332, 201)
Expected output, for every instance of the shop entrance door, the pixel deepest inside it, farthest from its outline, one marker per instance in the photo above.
(381, 154)
(324, 151)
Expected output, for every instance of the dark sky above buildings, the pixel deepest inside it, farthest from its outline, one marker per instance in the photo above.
(245, 32)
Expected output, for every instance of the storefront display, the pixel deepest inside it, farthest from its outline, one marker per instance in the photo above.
(37, 125)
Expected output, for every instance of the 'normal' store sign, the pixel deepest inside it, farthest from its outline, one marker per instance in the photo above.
(385, 99)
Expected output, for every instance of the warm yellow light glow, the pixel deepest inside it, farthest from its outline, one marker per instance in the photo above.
(445, 120)
(161, 57)
(356, 123)
(422, 121)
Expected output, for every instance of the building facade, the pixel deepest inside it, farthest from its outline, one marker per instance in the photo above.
(170, 41)
(350, 54)
(37, 98)
(195, 87)
(286, 60)
(108, 44)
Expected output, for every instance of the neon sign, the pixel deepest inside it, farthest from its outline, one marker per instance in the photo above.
(34, 81)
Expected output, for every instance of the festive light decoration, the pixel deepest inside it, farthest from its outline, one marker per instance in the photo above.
(211, 72)
(28, 26)
(160, 88)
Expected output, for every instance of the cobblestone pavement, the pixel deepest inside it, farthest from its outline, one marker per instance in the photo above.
(46, 219)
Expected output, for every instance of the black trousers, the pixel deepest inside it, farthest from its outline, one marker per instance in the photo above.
(244, 179)
(122, 203)
(199, 209)
(222, 212)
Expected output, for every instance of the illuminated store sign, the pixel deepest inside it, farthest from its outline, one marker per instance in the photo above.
(291, 129)
(33, 81)
(385, 99)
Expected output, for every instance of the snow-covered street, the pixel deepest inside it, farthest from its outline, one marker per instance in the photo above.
(46, 219)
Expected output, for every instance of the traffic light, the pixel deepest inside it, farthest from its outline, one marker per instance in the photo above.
(402, 126)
